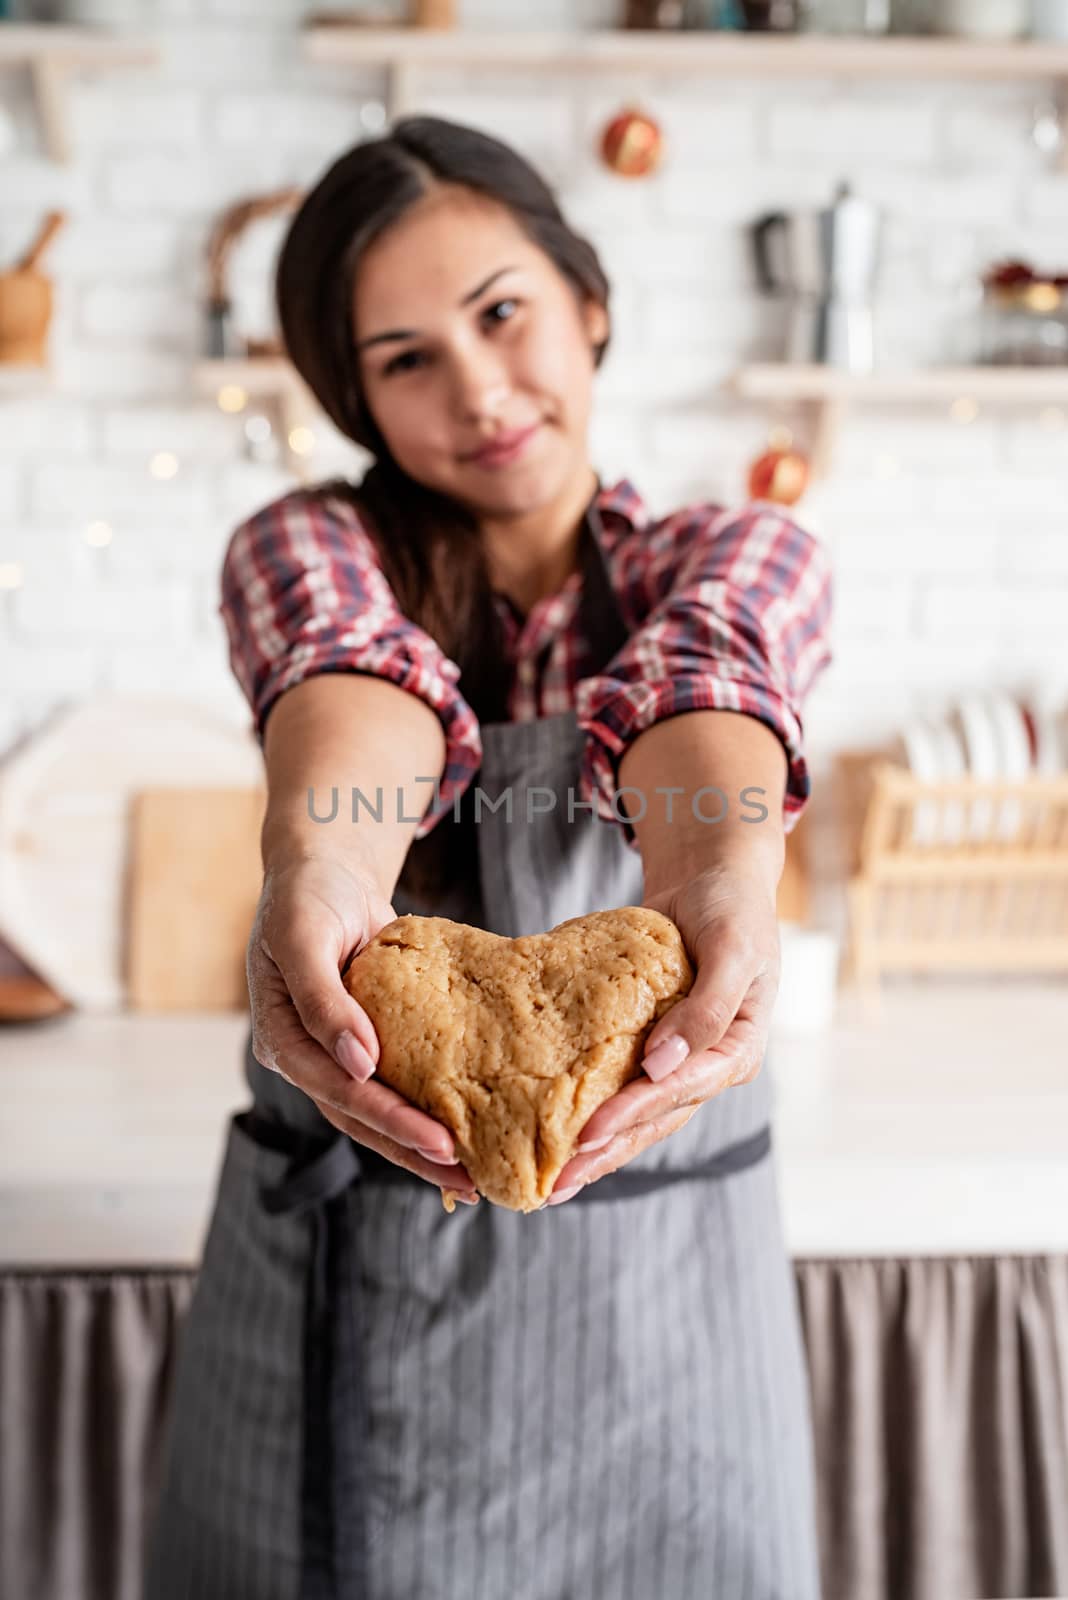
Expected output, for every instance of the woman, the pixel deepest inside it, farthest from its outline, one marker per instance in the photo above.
(606, 1398)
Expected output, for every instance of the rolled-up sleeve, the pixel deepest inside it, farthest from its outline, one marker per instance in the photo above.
(303, 593)
(740, 622)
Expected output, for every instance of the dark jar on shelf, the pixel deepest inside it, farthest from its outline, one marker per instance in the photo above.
(771, 16)
(656, 14)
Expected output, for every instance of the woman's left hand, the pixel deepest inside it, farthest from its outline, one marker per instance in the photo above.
(728, 921)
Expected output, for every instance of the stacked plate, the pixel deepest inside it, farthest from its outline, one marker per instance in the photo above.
(988, 736)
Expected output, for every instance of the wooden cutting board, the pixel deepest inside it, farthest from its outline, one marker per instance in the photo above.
(195, 880)
(792, 903)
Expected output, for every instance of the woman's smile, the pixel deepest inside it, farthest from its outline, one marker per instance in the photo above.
(508, 448)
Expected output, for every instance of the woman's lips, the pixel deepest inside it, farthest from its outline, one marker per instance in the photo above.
(509, 449)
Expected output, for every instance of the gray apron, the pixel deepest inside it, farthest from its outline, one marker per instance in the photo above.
(379, 1400)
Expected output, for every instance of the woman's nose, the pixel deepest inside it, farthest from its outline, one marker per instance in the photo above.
(480, 385)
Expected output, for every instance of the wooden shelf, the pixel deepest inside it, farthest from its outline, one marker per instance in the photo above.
(1000, 385)
(827, 392)
(259, 376)
(705, 53)
(53, 53)
(275, 383)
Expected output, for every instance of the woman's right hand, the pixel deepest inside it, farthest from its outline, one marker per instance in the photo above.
(314, 913)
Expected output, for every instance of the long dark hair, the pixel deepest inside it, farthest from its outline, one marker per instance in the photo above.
(428, 543)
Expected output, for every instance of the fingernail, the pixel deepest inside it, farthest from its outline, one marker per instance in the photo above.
(669, 1054)
(350, 1054)
(445, 1160)
(564, 1194)
(466, 1199)
(594, 1144)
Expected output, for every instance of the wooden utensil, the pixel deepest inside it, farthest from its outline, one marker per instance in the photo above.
(47, 232)
(26, 302)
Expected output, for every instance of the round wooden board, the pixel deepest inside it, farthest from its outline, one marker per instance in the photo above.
(65, 796)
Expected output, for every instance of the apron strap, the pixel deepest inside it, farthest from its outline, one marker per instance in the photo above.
(311, 1183)
(624, 1184)
(603, 624)
(319, 1178)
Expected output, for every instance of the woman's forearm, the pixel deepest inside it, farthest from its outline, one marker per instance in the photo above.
(344, 732)
(706, 750)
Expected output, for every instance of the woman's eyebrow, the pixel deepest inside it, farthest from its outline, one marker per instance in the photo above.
(412, 333)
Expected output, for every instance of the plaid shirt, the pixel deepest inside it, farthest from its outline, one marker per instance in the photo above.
(728, 611)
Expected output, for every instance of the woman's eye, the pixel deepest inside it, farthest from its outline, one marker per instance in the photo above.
(398, 362)
(409, 359)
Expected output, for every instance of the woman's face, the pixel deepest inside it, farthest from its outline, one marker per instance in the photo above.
(465, 332)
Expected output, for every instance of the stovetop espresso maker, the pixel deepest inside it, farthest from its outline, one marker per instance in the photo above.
(826, 263)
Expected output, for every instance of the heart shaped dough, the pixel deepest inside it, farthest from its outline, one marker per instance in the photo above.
(512, 1044)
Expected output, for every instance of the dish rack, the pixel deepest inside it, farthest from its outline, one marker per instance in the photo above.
(960, 875)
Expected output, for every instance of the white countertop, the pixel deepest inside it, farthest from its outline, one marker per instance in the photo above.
(939, 1127)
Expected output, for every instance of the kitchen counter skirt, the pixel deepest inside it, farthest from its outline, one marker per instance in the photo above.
(939, 1401)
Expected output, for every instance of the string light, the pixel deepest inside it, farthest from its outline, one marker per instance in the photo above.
(301, 441)
(10, 575)
(232, 398)
(1053, 418)
(1043, 297)
(163, 464)
(886, 466)
(964, 410)
(258, 428)
(373, 116)
(98, 534)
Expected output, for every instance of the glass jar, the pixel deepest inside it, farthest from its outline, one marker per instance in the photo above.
(1025, 326)
(847, 16)
(911, 17)
(1049, 19)
(982, 19)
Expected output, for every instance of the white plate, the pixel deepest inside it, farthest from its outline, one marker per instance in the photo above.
(1014, 755)
(65, 796)
(1062, 741)
(951, 765)
(981, 751)
(921, 753)
(1049, 759)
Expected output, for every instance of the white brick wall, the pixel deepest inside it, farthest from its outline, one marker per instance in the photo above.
(950, 542)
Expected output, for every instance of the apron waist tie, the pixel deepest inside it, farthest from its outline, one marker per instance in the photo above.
(313, 1180)
(631, 1181)
(307, 1186)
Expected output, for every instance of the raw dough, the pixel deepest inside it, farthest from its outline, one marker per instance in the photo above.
(512, 1044)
